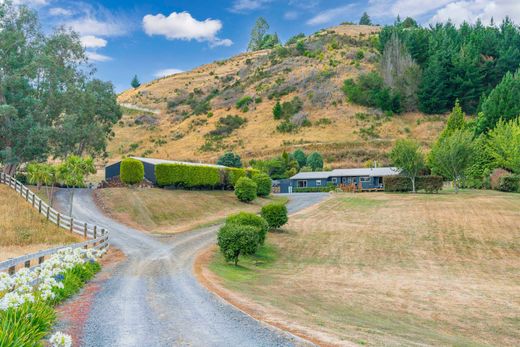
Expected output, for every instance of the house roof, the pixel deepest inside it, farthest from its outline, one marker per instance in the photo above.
(370, 172)
(164, 161)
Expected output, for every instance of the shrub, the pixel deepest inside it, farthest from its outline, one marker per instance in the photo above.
(245, 189)
(509, 183)
(226, 125)
(230, 159)
(430, 184)
(235, 240)
(369, 90)
(234, 174)
(132, 171)
(328, 188)
(253, 220)
(275, 214)
(187, 176)
(495, 177)
(397, 184)
(243, 103)
(264, 184)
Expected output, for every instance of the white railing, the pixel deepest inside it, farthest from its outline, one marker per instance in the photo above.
(97, 237)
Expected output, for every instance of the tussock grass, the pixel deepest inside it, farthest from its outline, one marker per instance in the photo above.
(395, 269)
(23, 230)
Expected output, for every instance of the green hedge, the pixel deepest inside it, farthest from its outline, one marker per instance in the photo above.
(509, 183)
(131, 171)
(429, 184)
(324, 189)
(187, 176)
(233, 175)
(245, 189)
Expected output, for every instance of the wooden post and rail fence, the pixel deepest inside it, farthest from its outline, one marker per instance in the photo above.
(97, 237)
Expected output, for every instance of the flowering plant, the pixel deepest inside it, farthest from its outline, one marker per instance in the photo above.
(60, 339)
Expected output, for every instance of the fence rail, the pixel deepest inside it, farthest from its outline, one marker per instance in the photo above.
(96, 236)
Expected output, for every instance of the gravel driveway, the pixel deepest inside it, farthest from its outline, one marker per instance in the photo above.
(153, 299)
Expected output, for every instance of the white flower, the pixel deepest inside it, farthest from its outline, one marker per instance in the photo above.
(60, 339)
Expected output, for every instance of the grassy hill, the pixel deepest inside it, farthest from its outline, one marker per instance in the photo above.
(186, 107)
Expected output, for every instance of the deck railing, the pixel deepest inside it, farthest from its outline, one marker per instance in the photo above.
(96, 236)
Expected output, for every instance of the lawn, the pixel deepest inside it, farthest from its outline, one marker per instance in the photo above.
(23, 230)
(169, 211)
(391, 270)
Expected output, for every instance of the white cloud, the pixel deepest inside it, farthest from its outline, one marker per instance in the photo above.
(329, 15)
(35, 3)
(247, 5)
(167, 72)
(472, 10)
(92, 26)
(91, 41)
(60, 12)
(291, 15)
(94, 56)
(413, 8)
(182, 26)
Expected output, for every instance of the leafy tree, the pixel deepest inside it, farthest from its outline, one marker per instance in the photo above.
(72, 173)
(455, 121)
(253, 220)
(277, 110)
(230, 159)
(365, 19)
(408, 158)
(135, 82)
(452, 156)
(275, 214)
(502, 103)
(42, 77)
(245, 189)
(258, 34)
(43, 174)
(235, 240)
(300, 157)
(263, 183)
(315, 161)
(503, 144)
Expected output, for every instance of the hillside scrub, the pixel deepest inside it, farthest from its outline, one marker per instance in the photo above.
(131, 171)
(226, 125)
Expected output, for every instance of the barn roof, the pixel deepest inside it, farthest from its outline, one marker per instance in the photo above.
(370, 172)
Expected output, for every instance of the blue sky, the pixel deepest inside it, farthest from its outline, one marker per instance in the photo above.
(152, 38)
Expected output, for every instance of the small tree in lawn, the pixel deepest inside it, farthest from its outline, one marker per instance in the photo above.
(452, 155)
(235, 240)
(245, 189)
(135, 82)
(275, 215)
(72, 173)
(407, 156)
(263, 183)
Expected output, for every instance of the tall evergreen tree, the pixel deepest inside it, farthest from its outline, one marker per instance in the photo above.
(365, 19)
(135, 82)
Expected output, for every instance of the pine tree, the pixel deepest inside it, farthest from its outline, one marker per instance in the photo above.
(502, 103)
(135, 82)
(365, 19)
(277, 110)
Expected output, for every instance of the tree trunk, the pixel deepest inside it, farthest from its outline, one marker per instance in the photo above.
(51, 195)
(10, 169)
(413, 185)
(71, 201)
(456, 186)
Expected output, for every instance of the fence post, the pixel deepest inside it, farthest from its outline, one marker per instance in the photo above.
(58, 219)
(33, 199)
(40, 206)
(71, 224)
(27, 194)
(85, 231)
(27, 263)
(95, 231)
(41, 259)
(48, 208)
(11, 270)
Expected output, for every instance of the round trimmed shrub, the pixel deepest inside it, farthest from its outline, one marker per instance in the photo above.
(275, 215)
(250, 219)
(264, 184)
(245, 189)
(132, 171)
(235, 240)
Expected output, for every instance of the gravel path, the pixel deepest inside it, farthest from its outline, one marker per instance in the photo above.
(153, 298)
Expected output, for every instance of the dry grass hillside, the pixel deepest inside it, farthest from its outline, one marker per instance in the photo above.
(347, 134)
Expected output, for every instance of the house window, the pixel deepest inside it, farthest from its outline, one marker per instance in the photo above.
(334, 180)
(302, 184)
(365, 179)
(318, 183)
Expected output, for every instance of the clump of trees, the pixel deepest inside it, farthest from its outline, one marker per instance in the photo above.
(49, 103)
(289, 164)
(260, 39)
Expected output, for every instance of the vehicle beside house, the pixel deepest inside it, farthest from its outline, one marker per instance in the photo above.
(360, 179)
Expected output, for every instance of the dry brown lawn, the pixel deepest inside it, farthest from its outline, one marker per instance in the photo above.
(392, 270)
(169, 211)
(23, 230)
